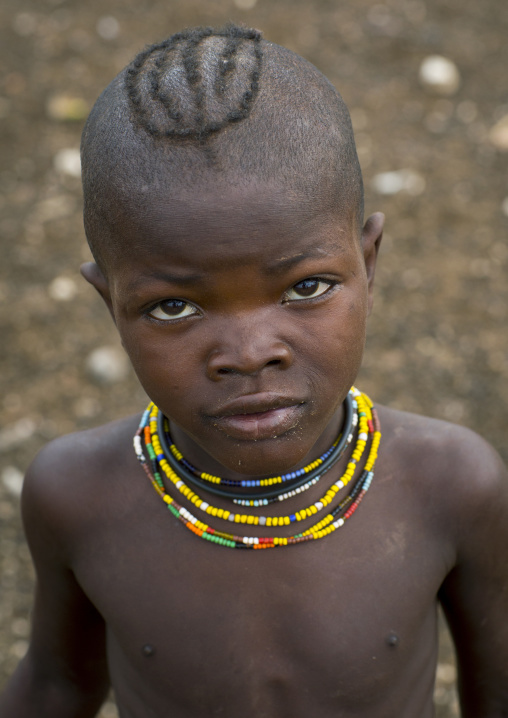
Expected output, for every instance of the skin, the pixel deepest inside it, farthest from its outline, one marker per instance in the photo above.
(345, 626)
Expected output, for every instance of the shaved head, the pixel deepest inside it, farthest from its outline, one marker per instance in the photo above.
(216, 106)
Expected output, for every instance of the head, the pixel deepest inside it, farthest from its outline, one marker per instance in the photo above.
(224, 208)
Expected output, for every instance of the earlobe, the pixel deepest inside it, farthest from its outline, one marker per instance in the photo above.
(371, 239)
(94, 276)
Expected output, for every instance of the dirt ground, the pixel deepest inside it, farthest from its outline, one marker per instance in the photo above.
(437, 341)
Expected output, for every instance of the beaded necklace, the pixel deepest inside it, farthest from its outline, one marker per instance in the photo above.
(369, 426)
(308, 472)
(303, 478)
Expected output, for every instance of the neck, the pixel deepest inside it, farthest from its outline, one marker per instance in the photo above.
(197, 456)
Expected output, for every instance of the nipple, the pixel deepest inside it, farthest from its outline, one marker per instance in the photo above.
(148, 650)
(392, 640)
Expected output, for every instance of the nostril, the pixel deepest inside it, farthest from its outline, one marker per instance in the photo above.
(273, 362)
(225, 371)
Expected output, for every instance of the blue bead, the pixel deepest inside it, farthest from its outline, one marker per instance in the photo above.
(292, 518)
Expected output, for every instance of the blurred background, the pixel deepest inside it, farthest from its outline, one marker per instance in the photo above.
(426, 83)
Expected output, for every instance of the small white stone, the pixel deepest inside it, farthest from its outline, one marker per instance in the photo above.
(504, 206)
(68, 162)
(498, 134)
(62, 289)
(108, 710)
(12, 479)
(108, 364)
(108, 27)
(19, 649)
(245, 4)
(389, 183)
(20, 627)
(439, 74)
(25, 24)
(446, 672)
(17, 433)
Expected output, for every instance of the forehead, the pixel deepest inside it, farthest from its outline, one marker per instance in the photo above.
(218, 224)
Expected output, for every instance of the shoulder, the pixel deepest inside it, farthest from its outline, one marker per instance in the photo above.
(71, 478)
(454, 469)
(441, 448)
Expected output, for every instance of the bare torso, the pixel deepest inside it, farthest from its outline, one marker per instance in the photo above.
(344, 626)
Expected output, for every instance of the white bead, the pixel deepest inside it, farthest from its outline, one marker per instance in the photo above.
(363, 436)
(262, 520)
(204, 506)
(179, 484)
(318, 505)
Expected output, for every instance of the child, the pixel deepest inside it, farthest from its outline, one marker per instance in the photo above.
(223, 206)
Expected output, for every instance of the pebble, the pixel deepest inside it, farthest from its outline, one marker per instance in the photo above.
(16, 433)
(108, 710)
(66, 108)
(62, 289)
(498, 134)
(24, 24)
(68, 162)
(406, 180)
(439, 74)
(245, 4)
(12, 479)
(446, 672)
(19, 649)
(108, 364)
(108, 27)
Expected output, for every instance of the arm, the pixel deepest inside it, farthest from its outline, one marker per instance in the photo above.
(475, 593)
(64, 674)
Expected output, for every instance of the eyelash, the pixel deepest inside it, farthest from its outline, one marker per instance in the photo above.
(330, 285)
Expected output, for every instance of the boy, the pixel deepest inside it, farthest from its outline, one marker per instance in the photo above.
(223, 206)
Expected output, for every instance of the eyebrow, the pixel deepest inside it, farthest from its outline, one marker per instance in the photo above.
(181, 279)
(279, 266)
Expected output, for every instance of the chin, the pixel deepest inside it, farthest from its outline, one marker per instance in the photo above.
(263, 457)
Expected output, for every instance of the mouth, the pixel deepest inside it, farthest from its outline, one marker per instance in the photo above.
(258, 416)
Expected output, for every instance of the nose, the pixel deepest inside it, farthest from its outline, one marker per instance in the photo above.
(247, 348)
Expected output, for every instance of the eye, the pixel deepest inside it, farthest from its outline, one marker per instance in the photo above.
(308, 289)
(172, 309)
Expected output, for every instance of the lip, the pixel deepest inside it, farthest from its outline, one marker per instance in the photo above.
(258, 416)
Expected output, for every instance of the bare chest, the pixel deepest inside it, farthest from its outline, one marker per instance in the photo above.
(328, 626)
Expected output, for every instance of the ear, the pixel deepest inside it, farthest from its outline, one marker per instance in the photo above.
(94, 276)
(372, 234)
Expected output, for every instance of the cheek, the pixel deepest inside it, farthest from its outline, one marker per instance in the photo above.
(338, 338)
(167, 367)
